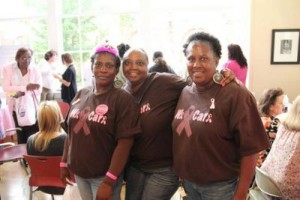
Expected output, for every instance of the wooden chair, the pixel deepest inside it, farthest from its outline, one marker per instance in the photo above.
(45, 171)
(264, 186)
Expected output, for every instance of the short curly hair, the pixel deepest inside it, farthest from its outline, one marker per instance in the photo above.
(204, 37)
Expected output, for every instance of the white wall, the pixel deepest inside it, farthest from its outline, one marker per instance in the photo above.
(265, 16)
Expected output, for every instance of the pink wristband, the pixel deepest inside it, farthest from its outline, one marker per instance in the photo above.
(63, 164)
(110, 175)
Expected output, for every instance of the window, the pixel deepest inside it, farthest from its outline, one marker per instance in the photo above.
(78, 26)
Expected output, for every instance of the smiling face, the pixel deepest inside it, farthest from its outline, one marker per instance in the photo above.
(135, 65)
(201, 62)
(104, 70)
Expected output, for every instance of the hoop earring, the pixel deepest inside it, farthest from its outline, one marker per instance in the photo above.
(118, 83)
(189, 81)
(218, 77)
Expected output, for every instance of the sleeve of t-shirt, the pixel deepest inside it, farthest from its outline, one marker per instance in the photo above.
(127, 120)
(247, 125)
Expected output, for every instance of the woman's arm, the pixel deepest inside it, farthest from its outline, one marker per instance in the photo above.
(65, 174)
(64, 82)
(118, 162)
(247, 169)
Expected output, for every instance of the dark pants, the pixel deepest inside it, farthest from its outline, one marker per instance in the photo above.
(26, 131)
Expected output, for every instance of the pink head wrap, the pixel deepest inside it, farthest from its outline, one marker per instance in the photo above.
(108, 49)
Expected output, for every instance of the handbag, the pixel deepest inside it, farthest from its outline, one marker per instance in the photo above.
(26, 108)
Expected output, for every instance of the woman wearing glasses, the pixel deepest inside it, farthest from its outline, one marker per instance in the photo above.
(22, 80)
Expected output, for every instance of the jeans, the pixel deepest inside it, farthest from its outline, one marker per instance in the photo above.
(88, 187)
(214, 191)
(156, 184)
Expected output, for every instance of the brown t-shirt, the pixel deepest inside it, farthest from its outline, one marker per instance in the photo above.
(95, 123)
(213, 128)
(157, 98)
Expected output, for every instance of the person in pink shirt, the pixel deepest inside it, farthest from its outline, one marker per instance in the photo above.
(237, 62)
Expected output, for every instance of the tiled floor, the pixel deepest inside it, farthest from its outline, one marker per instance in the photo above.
(14, 184)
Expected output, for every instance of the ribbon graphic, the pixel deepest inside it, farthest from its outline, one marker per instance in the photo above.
(185, 123)
(212, 106)
(83, 115)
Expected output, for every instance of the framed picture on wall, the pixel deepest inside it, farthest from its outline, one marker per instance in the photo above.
(285, 46)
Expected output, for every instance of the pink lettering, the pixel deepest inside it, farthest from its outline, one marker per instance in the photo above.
(145, 108)
(97, 118)
(74, 113)
(202, 117)
(179, 114)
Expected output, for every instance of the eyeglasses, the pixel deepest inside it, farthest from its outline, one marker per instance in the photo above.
(25, 58)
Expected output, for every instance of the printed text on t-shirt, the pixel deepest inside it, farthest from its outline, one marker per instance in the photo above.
(145, 108)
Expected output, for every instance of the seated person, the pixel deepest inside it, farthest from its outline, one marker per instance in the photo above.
(282, 163)
(49, 141)
(270, 106)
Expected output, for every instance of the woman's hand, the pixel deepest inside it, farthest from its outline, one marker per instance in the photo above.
(228, 77)
(18, 94)
(57, 76)
(104, 191)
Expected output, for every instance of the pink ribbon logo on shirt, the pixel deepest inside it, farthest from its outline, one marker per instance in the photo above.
(185, 123)
(81, 124)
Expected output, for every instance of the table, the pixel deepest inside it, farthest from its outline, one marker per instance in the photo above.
(12, 153)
